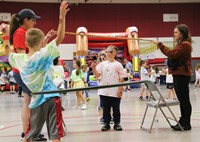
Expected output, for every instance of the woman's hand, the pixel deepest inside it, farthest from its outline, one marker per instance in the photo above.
(155, 41)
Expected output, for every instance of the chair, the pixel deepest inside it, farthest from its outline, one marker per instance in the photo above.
(157, 101)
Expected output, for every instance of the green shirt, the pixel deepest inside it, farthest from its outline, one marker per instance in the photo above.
(76, 78)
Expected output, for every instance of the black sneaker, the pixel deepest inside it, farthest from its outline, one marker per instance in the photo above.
(39, 139)
(22, 136)
(140, 98)
(185, 128)
(173, 126)
(117, 127)
(40, 136)
(105, 127)
(147, 97)
(62, 108)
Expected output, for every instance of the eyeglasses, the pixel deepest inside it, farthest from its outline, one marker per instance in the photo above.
(109, 51)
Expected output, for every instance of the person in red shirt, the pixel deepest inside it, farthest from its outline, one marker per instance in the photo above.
(19, 24)
(180, 66)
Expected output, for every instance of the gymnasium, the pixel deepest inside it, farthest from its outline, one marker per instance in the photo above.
(91, 26)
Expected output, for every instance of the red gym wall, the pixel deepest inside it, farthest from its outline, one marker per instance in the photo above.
(114, 17)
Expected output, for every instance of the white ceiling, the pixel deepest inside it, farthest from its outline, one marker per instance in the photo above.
(108, 1)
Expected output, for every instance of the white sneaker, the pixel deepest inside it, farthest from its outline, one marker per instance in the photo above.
(84, 106)
(75, 107)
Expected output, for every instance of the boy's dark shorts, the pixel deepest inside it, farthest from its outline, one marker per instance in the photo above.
(170, 85)
(12, 83)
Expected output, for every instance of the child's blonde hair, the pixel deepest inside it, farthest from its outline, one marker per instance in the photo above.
(112, 47)
(34, 37)
(197, 67)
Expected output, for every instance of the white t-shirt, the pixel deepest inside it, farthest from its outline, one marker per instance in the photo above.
(144, 74)
(111, 73)
(4, 77)
(129, 66)
(197, 74)
(10, 76)
(58, 76)
(169, 77)
(153, 76)
(126, 73)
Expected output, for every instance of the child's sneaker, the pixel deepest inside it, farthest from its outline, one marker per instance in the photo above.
(140, 98)
(39, 139)
(75, 107)
(87, 99)
(22, 136)
(84, 106)
(147, 97)
(63, 109)
(105, 127)
(117, 127)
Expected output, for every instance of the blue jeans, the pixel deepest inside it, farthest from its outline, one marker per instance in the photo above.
(86, 93)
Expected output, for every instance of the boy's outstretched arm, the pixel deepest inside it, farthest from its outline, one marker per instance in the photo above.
(64, 8)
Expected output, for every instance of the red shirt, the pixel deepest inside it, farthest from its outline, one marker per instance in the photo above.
(61, 62)
(19, 42)
(181, 51)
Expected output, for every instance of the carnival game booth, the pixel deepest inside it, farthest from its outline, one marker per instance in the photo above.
(89, 44)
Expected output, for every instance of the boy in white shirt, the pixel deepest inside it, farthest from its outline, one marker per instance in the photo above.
(110, 72)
